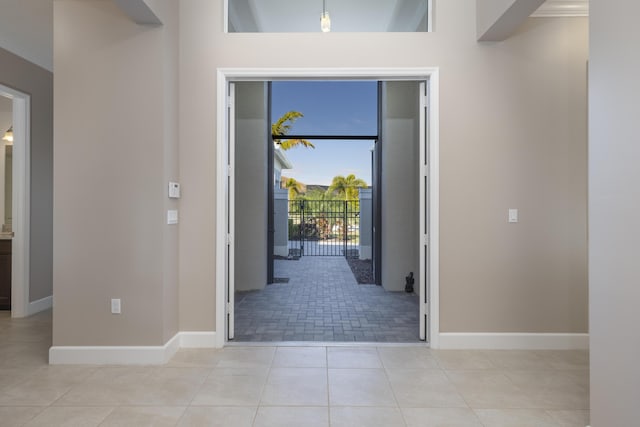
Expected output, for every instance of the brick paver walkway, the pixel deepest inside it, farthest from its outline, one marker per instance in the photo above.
(323, 302)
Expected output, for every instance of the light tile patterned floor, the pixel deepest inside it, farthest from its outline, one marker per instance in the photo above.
(245, 386)
(323, 302)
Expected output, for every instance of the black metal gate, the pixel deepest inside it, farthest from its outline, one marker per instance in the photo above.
(324, 228)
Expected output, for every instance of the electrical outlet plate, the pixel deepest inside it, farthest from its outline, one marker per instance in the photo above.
(513, 215)
(172, 217)
(115, 306)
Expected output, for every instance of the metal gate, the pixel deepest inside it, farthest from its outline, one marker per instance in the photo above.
(324, 228)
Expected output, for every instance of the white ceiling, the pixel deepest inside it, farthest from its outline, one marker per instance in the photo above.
(26, 26)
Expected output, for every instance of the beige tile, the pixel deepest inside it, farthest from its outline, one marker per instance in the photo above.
(366, 417)
(462, 359)
(360, 387)
(300, 357)
(570, 418)
(14, 416)
(490, 389)
(276, 416)
(230, 390)
(219, 416)
(125, 375)
(63, 374)
(70, 416)
(140, 416)
(518, 360)
(515, 418)
(566, 359)
(33, 393)
(260, 372)
(440, 417)
(160, 393)
(551, 389)
(196, 358)
(296, 387)
(181, 374)
(245, 357)
(424, 388)
(407, 358)
(353, 357)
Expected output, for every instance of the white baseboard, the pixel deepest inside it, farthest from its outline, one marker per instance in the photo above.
(130, 355)
(197, 340)
(512, 341)
(39, 305)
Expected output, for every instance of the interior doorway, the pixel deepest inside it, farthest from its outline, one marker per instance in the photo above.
(424, 85)
(15, 199)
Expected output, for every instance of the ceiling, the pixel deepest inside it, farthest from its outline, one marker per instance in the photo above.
(286, 16)
(26, 26)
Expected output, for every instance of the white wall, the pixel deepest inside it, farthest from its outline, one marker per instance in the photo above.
(614, 209)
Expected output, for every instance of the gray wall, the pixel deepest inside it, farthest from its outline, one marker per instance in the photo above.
(116, 139)
(29, 78)
(512, 134)
(280, 222)
(250, 237)
(400, 179)
(614, 208)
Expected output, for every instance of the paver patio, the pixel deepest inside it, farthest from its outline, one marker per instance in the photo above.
(323, 302)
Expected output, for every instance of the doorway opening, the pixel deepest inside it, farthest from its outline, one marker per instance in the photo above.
(14, 231)
(254, 117)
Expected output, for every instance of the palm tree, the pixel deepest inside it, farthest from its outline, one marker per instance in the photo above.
(346, 187)
(283, 127)
(295, 188)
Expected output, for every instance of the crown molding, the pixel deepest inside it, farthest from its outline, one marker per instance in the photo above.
(562, 8)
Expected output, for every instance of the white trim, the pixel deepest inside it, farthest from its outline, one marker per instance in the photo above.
(21, 200)
(108, 355)
(39, 305)
(225, 75)
(562, 8)
(130, 355)
(512, 341)
(198, 340)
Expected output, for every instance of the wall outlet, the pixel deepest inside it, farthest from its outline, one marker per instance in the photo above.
(115, 306)
(513, 215)
(172, 217)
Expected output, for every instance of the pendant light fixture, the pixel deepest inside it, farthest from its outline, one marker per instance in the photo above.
(325, 21)
(8, 135)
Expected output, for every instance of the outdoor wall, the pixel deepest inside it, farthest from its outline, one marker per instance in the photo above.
(116, 148)
(512, 135)
(366, 223)
(400, 183)
(614, 207)
(31, 79)
(250, 237)
(280, 222)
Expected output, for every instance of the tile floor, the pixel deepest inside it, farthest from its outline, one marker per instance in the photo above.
(323, 302)
(385, 385)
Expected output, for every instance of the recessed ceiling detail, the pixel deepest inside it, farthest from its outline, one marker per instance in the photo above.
(562, 8)
(295, 16)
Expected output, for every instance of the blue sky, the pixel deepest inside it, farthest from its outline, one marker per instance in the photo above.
(329, 108)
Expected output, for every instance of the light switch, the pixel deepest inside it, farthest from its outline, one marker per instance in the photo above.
(115, 306)
(172, 217)
(513, 215)
(174, 190)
